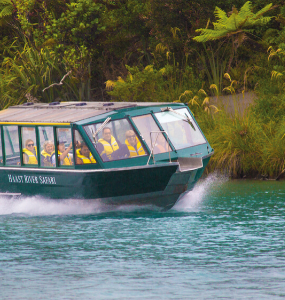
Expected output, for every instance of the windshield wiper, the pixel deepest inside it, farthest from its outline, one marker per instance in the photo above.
(188, 120)
(99, 129)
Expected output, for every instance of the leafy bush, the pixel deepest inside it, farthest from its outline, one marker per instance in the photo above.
(149, 84)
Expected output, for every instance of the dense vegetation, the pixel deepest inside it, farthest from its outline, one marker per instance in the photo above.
(153, 50)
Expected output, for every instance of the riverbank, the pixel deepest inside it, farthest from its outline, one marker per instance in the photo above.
(247, 134)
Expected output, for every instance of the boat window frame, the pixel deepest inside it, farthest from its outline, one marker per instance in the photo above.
(37, 143)
(11, 144)
(21, 146)
(1, 145)
(197, 126)
(87, 144)
(134, 128)
(57, 165)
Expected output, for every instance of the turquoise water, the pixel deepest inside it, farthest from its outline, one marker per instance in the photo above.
(224, 240)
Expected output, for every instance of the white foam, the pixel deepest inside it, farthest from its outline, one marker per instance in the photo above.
(37, 206)
(192, 200)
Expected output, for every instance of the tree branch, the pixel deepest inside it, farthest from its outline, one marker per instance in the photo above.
(60, 83)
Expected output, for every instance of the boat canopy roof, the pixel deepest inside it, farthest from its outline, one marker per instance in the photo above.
(64, 112)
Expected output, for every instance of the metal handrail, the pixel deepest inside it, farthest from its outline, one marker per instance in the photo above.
(153, 145)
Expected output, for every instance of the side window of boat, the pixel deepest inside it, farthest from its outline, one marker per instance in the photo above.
(64, 147)
(1, 152)
(29, 146)
(116, 140)
(151, 133)
(83, 154)
(46, 146)
(12, 149)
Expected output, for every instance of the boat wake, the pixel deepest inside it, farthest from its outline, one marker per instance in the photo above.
(38, 206)
(192, 200)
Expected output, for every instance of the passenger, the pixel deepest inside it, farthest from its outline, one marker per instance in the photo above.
(30, 153)
(83, 155)
(64, 158)
(109, 148)
(133, 144)
(47, 153)
(160, 145)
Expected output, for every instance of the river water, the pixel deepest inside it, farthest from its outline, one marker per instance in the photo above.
(224, 240)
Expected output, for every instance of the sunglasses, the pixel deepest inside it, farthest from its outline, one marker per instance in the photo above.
(131, 137)
(30, 145)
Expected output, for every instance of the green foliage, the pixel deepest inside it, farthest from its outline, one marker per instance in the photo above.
(236, 142)
(149, 84)
(148, 45)
(269, 107)
(78, 25)
(234, 29)
(214, 66)
(6, 10)
(236, 24)
(273, 149)
(30, 71)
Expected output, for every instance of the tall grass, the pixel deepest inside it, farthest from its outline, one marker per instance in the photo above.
(33, 70)
(245, 146)
(28, 70)
(236, 141)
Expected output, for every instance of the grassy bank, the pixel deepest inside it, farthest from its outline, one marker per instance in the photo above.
(246, 145)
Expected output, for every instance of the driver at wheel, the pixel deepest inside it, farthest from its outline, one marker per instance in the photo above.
(109, 148)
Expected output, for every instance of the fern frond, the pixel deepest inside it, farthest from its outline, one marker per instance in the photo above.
(6, 12)
(163, 71)
(174, 31)
(214, 87)
(130, 76)
(206, 101)
(221, 16)
(201, 91)
(160, 48)
(227, 76)
(275, 75)
(193, 101)
(263, 11)
(120, 79)
(187, 92)
(229, 89)
(215, 108)
(246, 10)
(168, 54)
(149, 68)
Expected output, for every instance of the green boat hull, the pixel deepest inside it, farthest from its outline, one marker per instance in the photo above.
(158, 185)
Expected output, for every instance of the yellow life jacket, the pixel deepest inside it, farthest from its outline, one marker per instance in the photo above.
(32, 157)
(133, 151)
(109, 148)
(85, 159)
(66, 161)
(47, 155)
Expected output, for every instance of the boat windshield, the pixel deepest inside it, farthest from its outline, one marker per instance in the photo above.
(115, 140)
(151, 133)
(181, 128)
